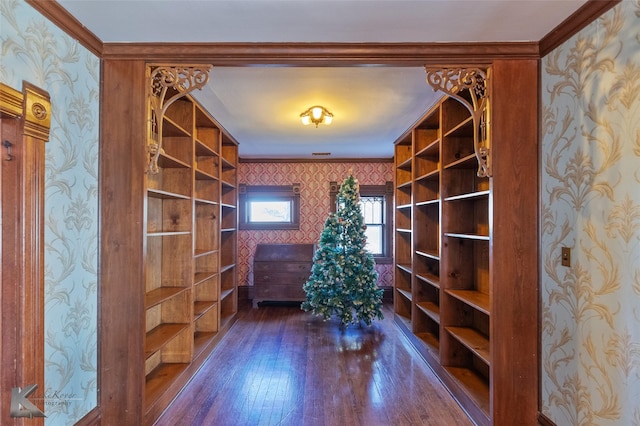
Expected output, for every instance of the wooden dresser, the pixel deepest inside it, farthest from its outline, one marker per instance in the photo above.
(280, 270)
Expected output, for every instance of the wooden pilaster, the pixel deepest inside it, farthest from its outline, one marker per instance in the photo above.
(25, 119)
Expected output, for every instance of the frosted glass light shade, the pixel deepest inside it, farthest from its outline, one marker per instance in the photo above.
(316, 115)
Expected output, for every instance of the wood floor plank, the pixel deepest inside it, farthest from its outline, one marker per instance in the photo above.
(279, 365)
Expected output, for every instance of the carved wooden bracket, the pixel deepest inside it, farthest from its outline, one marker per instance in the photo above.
(181, 80)
(453, 81)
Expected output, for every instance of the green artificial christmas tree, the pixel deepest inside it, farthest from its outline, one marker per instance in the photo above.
(343, 277)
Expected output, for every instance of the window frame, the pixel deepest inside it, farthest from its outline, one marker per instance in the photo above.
(386, 192)
(248, 193)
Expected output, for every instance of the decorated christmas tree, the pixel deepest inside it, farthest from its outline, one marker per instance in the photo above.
(343, 277)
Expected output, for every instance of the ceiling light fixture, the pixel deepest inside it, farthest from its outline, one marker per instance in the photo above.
(316, 115)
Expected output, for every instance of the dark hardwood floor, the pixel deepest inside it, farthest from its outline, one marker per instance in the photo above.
(279, 365)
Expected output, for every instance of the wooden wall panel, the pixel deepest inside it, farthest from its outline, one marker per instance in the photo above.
(515, 253)
(122, 168)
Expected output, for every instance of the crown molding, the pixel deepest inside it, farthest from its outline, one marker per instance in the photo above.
(582, 17)
(54, 12)
(322, 54)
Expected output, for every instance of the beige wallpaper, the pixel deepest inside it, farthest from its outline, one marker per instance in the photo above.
(35, 50)
(590, 192)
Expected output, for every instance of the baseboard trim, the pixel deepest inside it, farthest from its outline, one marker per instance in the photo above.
(544, 420)
(245, 294)
(92, 418)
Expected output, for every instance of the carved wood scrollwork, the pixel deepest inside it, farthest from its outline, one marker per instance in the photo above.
(476, 81)
(177, 81)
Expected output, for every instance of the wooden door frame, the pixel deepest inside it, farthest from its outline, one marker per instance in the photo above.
(25, 119)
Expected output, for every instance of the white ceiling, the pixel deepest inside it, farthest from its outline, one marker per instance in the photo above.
(372, 106)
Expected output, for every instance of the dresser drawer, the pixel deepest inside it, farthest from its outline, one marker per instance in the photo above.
(279, 278)
(282, 267)
(280, 292)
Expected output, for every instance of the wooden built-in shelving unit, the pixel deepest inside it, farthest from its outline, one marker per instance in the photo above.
(452, 276)
(168, 289)
(191, 250)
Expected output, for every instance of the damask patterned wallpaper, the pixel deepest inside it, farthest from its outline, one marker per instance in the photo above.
(35, 50)
(590, 193)
(314, 181)
(590, 337)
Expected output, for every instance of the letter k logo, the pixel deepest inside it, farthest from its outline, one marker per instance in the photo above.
(21, 406)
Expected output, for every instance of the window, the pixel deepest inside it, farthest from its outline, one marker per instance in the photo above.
(373, 212)
(376, 203)
(269, 207)
(271, 211)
